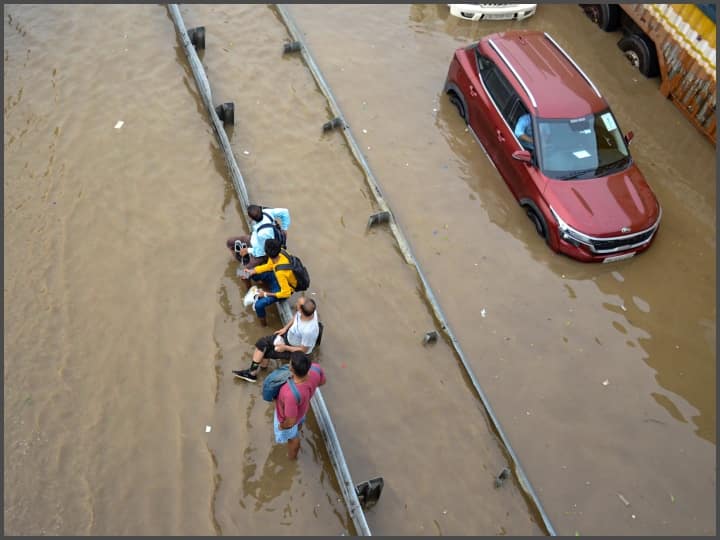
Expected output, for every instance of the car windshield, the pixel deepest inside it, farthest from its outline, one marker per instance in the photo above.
(585, 147)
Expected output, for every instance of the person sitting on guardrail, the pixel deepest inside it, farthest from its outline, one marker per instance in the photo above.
(267, 223)
(299, 335)
(278, 283)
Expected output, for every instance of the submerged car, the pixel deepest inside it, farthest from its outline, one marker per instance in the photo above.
(494, 12)
(555, 141)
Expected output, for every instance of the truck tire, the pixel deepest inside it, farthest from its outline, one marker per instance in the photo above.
(641, 53)
(606, 16)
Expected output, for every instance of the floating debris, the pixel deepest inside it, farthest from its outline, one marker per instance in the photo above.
(208, 429)
(119, 124)
(482, 311)
(500, 479)
(623, 499)
(606, 382)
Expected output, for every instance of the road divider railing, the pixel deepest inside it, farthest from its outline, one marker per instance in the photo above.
(298, 44)
(357, 497)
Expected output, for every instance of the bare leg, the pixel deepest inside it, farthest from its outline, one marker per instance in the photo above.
(293, 447)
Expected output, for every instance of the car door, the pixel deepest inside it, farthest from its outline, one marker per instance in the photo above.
(478, 102)
(501, 138)
(523, 172)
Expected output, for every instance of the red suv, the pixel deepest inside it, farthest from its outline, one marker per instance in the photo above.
(556, 143)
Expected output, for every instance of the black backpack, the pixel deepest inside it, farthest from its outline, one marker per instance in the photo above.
(298, 268)
(321, 327)
(278, 233)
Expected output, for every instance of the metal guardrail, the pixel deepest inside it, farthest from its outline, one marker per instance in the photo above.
(322, 415)
(404, 246)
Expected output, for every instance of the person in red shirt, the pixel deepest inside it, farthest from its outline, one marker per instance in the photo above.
(292, 403)
(315, 377)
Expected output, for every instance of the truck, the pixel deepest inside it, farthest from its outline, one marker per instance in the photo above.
(675, 42)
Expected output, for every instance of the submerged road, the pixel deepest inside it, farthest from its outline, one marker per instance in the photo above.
(117, 359)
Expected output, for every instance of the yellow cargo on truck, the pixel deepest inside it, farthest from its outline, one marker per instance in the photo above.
(674, 41)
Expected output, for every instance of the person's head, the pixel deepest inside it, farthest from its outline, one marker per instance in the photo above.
(255, 212)
(306, 306)
(272, 248)
(299, 363)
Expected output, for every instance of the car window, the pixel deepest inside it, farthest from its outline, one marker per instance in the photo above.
(483, 62)
(497, 85)
(584, 147)
(515, 113)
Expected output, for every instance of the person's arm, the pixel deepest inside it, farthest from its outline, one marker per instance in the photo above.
(257, 245)
(260, 268)
(291, 348)
(520, 128)
(284, 329)
(288, 422)
(283, 216)
(289, 407)
(285, 289)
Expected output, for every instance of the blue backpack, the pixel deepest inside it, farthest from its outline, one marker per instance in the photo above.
(278, 377)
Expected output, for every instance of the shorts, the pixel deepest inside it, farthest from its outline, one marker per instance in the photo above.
(283, 435)
(265, 344)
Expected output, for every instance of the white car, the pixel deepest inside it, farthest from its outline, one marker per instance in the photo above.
(496, 12)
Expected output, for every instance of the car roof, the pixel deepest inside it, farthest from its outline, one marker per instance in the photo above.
(558, 86)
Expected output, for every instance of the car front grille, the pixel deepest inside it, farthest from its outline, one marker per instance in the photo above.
(621, 243)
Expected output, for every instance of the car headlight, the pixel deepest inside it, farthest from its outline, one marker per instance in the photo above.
(569, 234)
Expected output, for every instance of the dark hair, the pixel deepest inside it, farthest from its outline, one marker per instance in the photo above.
(300, 363)
(272, 248)
(255, 212)
(308, 307)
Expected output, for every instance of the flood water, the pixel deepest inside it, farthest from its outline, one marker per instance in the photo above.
(123, 315)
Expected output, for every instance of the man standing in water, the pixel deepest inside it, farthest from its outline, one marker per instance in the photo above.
(292, 404)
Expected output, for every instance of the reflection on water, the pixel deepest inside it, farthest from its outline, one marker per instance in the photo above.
(275, 478)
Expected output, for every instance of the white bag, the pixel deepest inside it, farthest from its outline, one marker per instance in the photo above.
(251, 296)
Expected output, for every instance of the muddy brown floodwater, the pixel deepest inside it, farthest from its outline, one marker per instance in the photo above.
(123, 316)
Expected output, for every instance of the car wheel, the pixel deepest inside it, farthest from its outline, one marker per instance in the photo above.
(458, 102)
(538, 221)
(640, 52)
(606, 16)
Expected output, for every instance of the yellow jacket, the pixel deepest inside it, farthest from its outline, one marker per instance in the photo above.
(285, 278)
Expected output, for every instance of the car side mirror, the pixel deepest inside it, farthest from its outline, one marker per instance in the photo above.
(522, 155)
(629, 137)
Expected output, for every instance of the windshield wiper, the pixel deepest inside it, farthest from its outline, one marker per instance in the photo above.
(612, 166)
(576, 174)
